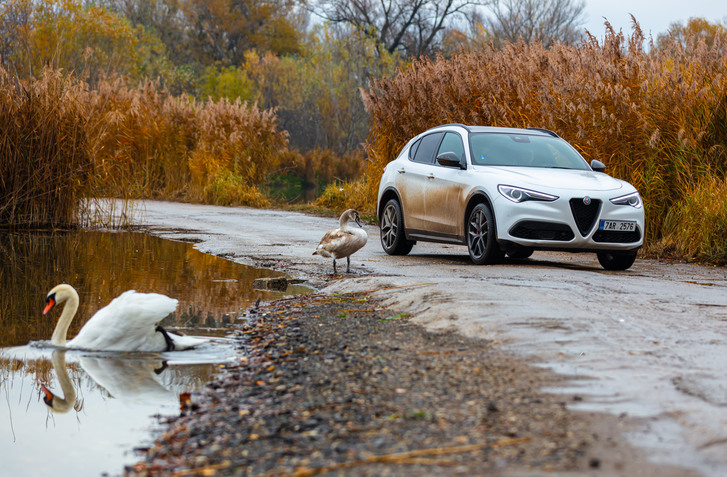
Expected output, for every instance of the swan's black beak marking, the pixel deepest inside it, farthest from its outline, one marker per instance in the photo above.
(358, 221)
(48, 396)
(50, 302)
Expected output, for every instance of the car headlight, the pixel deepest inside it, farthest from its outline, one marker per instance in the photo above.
(518, 194)
(633, 200)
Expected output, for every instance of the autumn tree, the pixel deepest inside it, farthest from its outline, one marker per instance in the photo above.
(317, 93)
(695, 28)
(87, 40)
(205, 32)
(412, 27)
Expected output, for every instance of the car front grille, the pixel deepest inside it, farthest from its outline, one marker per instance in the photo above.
(534, 230)
(612, 236)
(585, 214)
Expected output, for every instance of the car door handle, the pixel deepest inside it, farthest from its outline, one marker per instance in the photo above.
(430, 176)
(401, 171)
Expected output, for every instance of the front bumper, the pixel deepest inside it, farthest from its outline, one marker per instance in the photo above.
(560, 225)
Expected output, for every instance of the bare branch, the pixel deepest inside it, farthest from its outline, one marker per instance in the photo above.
(412, 27)
(536, 20)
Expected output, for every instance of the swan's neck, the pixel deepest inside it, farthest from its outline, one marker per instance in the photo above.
(69, 311)
(345, 226)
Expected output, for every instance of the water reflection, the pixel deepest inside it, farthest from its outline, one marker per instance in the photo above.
(102, 402)
(101, 266)
(67, 412)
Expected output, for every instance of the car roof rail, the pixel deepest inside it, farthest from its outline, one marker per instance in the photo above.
(546, 131)
(454, 124)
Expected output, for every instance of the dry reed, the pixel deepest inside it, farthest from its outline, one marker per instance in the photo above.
(151, 144)
(63, 145)
(45, 160)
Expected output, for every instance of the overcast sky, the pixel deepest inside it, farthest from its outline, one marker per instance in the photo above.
(653, 16)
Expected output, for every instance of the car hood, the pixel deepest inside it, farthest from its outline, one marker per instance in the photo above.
(546, 178)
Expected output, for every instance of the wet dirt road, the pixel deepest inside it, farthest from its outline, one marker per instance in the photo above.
(647, 344)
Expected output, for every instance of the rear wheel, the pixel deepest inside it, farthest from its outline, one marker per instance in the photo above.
(393, 240)
(616, 260)
(481, 243)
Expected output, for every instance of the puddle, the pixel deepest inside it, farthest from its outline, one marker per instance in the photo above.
(105, 403)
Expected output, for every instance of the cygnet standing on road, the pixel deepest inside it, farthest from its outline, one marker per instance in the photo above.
(343, 241)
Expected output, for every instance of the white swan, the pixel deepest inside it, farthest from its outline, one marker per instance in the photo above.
(128, 323)
(343, 241)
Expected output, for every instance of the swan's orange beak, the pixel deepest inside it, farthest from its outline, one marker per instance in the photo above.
(48, 398)
(50, 303)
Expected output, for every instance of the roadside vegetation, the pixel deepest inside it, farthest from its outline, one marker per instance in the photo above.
(212, 102)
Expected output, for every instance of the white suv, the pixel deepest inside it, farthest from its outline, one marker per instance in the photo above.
(506, 191)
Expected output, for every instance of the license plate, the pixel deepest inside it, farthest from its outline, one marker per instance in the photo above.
(617, 226)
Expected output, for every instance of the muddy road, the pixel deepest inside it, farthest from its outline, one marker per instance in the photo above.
(647, 344)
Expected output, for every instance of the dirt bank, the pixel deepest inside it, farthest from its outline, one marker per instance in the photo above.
(336, 383)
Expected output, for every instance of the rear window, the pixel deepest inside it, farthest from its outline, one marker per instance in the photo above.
(524, 150)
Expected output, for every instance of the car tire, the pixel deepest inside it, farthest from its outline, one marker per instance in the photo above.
(481, 243)
(391, 226)
(616, 260)
(520, 253)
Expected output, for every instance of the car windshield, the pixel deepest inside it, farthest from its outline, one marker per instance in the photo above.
(524, 150)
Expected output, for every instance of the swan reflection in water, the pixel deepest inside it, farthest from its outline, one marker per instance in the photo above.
(68, 401)
(94, 405)
(131, 381)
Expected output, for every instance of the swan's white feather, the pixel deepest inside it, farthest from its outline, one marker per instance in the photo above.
(128, 324)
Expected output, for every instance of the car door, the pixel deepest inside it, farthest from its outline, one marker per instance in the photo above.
(443, 192)
(412, 180)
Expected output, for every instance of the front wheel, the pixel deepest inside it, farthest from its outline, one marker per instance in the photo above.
(393, 240)
(481, 243)
(616, 260)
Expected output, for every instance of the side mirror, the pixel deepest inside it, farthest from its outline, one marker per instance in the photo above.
(450, 159)
(598, 166)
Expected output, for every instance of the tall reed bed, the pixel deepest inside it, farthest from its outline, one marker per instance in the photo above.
(149, 143)
(63, 145)
(45, 158)
(655, 117)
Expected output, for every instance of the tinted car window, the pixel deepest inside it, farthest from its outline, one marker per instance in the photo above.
(524, 150)
(427, 146)
(452, 143)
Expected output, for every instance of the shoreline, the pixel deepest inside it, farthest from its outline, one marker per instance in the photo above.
(340, 383)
